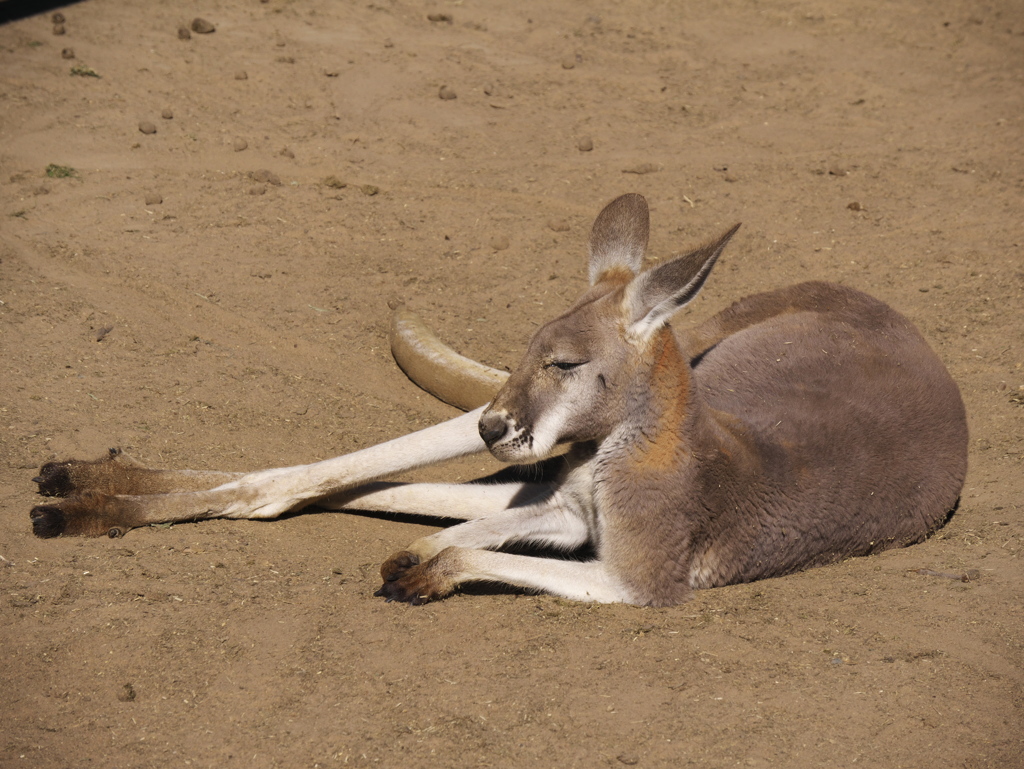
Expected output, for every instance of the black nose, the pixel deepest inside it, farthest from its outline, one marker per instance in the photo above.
(492, 427)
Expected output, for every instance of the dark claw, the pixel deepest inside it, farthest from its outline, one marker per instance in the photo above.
(391, 591)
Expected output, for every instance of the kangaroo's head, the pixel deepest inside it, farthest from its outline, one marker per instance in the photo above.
(573, 382)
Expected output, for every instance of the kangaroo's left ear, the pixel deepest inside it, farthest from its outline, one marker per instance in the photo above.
(654, 296)
(618, 238)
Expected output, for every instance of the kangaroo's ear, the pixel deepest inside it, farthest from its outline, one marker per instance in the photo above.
(654, 296)
(618, 239)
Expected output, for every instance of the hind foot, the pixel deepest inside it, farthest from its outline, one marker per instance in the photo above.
(118, 474)
(90, 514)
(111, 474)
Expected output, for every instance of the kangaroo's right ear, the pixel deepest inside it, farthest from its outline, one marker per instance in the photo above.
(618, 239)
(654, 296)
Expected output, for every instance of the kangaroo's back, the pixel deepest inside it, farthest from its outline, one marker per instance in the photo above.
(856, 427)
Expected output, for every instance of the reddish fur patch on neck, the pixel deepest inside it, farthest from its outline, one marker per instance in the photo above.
(669, 382)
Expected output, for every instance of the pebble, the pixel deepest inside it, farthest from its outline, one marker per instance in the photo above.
(146, 127)
(67, 53)
(499, 243)
(184, 34)
(334, 182)
(154, 198)
(241, 75)
(369, 190)
(642, 168)
(287, 153)
(855, 206)
(585, 144)
(569, 62)
(127, 693)
(258, 189)
(445, 18)
(447, 93)
(58, 18)
(558, 225)
(58, 29)
(202, 26)
(263, 175)
(240, 145)
(167, 115)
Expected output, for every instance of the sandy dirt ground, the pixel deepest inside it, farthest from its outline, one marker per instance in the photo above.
(201, 241)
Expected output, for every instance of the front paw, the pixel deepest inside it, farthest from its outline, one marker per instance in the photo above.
(409, 581)
(398, 564)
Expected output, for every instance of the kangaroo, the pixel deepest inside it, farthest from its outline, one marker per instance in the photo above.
(795, 428)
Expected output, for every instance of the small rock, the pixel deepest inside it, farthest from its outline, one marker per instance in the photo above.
(369, 190)
(127, 693)
(154, 198)
(240, 145)
(258, 189)
(499, 243)
(241, 75)
(855, 206)
(58, 29)
(569, 62)
(731, 178)
(184, 34)
(836, 171)
(102, 333)
(269, 177)
(334, 183)
(67, 53)
(287, 153)
(167, 115)
(440, 18)
(332, 72)
(147, 127)
(585, 144)
(642, 168)
(202, 26)
(447, 93)
(629, 759)
(558, 225)
(58, 18)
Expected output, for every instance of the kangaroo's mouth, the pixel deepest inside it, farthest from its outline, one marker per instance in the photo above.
(505, 438)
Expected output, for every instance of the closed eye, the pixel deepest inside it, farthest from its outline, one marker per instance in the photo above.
(564, 365)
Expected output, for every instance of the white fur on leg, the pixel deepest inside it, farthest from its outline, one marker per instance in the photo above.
(269, 493)
(463, 501)
(551, 523)
(577, 581)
